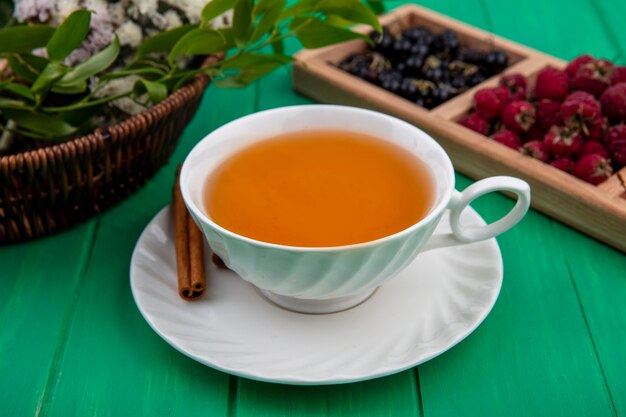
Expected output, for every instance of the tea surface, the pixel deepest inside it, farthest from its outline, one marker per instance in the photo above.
(319, 188)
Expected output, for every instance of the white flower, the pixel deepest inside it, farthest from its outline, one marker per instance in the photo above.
(130, 34)
(191, 8)
(117, 86)
(147, 7)
(64, 9)
(41, 10)
(173, 20)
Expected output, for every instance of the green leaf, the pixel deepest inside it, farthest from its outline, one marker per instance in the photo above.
(84, 104)
(251, 73)
(146, 72)
(215, 8)
(50, 74)
(350, 10)
(50, 126)
(74, 88)
(377, 6)
(338, 21)
(300, 9)
(164, 41)
(202, 42)
(80, 116)
(6, 12)
(9, 103)
(20, 90)
(230, 82)
(156, 91)
(242, 22)
(251, 60)
(271, 10)
(23, 39)
(278, 46)
(69, 36)
(95, 64)
(262, 6)
(4, 83)
(27, 66)
(317, 34)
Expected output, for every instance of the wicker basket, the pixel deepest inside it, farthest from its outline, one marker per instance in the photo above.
(49, 189)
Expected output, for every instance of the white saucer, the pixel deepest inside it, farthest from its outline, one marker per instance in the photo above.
(431, 306)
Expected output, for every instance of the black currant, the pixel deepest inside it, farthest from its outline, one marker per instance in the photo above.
(420, 50)
(401, 48)
(408, 89)
(413, 65)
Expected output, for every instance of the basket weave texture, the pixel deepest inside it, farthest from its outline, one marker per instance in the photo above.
(49, 189)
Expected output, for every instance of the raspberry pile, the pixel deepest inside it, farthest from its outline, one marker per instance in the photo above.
(574, 119)
(424, 67)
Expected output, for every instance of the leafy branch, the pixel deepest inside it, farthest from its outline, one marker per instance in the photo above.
(46, 99)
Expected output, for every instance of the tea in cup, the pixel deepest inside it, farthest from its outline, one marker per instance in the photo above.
(318, 205)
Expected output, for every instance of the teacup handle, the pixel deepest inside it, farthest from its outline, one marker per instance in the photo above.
(460, 200)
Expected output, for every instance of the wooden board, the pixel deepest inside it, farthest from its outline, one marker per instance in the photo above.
(599, 211)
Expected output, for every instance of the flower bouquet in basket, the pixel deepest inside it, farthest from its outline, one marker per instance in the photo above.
(94, 94)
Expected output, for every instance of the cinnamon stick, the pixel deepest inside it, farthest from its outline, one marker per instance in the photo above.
(189, 249)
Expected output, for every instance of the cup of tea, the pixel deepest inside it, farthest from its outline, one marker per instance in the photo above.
(319, 205)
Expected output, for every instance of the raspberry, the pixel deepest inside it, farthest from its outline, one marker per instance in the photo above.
(491, 101)
(563, 141)
(536, 149)
(613, 102)
(591, 147)
(618, 75)
(615, 141)
(476, 123)
(580, 108)
(564, 164)
(508, 138)
(595, 129)
(519, 116)
(535, 133)
(548, 114)
(572, 67)
(552, 84)
(593, 168)
(516, 83)
(593, 77)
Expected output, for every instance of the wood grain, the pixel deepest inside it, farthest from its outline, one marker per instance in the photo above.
(39, 283)
(392, 396)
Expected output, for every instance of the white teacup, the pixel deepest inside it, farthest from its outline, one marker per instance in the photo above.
(329, 279)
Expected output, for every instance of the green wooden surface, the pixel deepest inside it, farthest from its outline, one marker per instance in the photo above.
(73, 343)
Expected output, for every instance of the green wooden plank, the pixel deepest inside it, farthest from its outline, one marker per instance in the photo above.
(113, 363)
(533, 355)
(390, 396)
(11, 263)
(47, 275)
(598, 273)
(565, 30)
(611, 20)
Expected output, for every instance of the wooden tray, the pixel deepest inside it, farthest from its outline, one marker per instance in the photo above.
(599, 211)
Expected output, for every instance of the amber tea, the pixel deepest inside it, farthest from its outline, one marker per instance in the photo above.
(319, 188)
